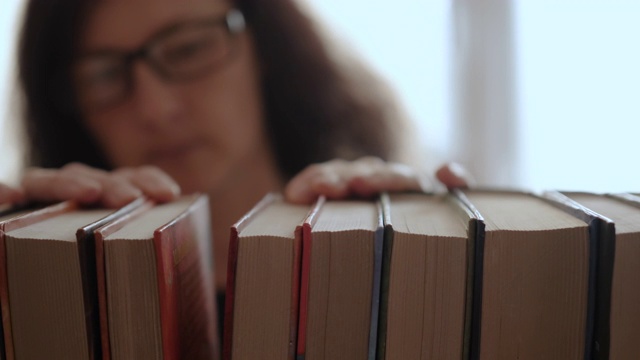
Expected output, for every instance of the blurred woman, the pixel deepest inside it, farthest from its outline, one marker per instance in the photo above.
(231, 98)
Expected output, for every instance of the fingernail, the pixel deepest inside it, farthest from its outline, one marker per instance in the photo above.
(175, 189)
(457, 170)
(460, 172)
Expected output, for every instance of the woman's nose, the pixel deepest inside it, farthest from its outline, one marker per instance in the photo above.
(157, 104)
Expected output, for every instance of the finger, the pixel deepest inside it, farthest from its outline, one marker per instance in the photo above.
(118, 191)
(364, 177)
(315, 180)
(330, 184)
(453, 176)
(56, 185)
(10, 195)
(390, 177)
(84, 170)
(125, 184)
(152, 181)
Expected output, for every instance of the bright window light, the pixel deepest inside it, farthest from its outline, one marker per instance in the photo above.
(579, 84)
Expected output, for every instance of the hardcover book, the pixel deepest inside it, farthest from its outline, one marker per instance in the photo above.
(426, 282)
(623, 213)
(261, 317)
(47, 282)
(155, 276)
(532, 279)
(603, 243)
(7, 212)
(340, 289)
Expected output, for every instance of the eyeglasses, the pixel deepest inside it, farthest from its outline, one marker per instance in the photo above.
(179, 53)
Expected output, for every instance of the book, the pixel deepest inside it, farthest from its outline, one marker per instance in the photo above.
(155, 278)
(623, 212)
(340, 284)
(426, 279)
(47, 286)
(7, 212)
(532, 278)
(261, 316)
(602, 231)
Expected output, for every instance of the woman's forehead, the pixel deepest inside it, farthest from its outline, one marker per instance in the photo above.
(127, 23)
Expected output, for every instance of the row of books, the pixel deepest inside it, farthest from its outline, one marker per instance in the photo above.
(134, 283)
(475, 274)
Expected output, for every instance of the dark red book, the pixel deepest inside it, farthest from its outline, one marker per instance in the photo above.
(156, 280)
(304, 280)
(263, 279)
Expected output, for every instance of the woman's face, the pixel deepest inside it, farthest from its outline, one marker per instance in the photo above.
(203, 127)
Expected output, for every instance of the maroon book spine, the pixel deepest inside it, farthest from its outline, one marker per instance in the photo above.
(185, 283)
(304, 281)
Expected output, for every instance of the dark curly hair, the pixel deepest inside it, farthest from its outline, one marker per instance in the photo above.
(315, 109)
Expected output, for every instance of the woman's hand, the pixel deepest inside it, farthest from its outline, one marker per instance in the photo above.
(366, 177)
(89, 185)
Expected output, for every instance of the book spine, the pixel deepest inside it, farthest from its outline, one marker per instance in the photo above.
(304, 290)
(375, 291)
(232, 264)
(307, 243)
(602, 235)
(102, 296)
(295, 292)
(477, 227)
(473, 233)
(4, 302)
(185, 285)
(387, 248)
(230, 294)
(164, 246)
(87, 261)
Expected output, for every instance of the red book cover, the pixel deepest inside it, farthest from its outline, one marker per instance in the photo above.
(231, 273)
(304, 280)
(287, 219)
(227, 341)
(185, 282)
